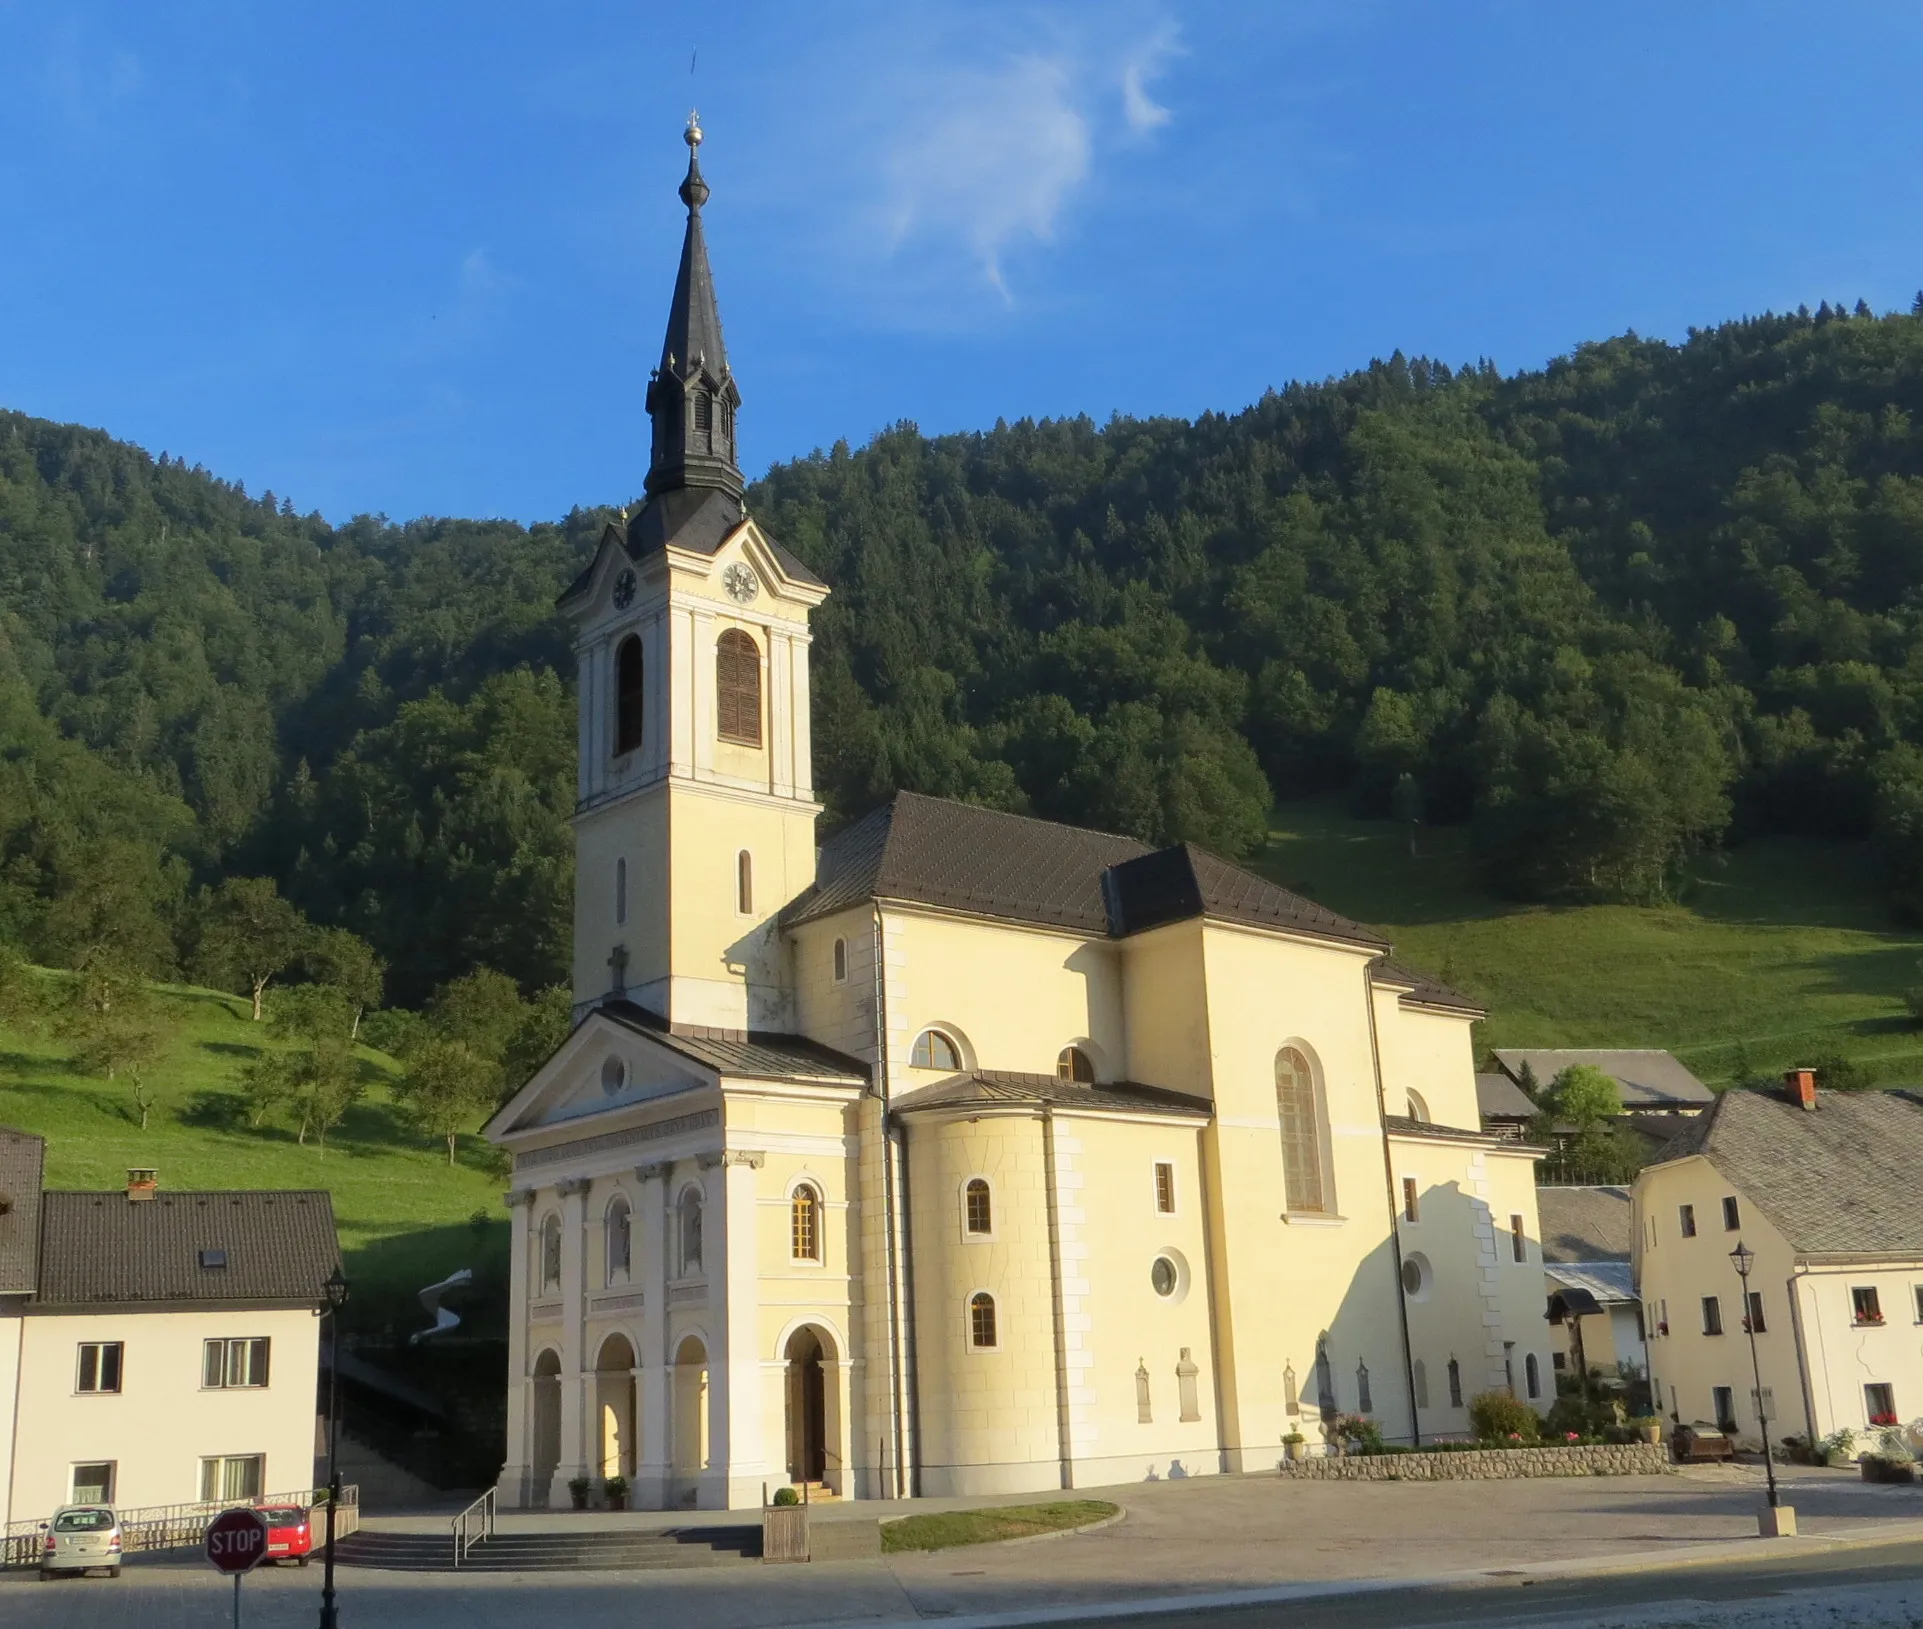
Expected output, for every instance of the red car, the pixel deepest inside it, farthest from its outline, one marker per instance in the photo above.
(290, 1533)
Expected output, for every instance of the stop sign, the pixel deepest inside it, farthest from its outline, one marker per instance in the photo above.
(236, 1540)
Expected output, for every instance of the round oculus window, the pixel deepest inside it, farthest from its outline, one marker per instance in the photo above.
(1164, 1277)
(1412, 1278)
(614, 1075)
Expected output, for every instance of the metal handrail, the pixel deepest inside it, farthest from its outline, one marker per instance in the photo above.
(165, 1527)
(479, 1514)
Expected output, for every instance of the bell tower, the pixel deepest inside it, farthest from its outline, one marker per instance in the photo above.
(696, 815)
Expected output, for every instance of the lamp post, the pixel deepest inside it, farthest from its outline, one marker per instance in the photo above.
(1744, 1258)
(333, 1295)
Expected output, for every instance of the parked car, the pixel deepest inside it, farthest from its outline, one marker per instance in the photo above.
(81, 1538)
(290, 1532)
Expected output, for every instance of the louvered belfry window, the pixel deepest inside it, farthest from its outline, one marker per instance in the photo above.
(737, 676)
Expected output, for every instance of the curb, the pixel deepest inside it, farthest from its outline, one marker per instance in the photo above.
(1701, 1555)
(1121, 1514)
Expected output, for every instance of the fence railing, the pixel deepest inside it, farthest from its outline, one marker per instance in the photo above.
(472, 1525)
(172, 1527)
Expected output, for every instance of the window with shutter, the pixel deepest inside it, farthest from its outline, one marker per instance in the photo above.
(1298, 1111)
(737, 669)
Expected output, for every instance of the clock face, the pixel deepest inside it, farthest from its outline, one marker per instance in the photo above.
(624, 591)
(740, 582)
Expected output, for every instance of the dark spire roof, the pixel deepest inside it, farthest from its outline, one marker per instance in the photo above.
(692, 398)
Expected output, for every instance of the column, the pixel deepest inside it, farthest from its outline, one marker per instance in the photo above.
(780, 716)
(737, 1457)
(512, 1489)
(701, 642)
(654, 1394)
(575, 1407)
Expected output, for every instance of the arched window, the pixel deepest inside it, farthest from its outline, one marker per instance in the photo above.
(620, 1240)
(620, 891)
(1418, 1109)
(1301, 1132)
(551, 1255)
(935, 1050)
(978, 1207)
(981, 1321)
(841, 961)
(1531, 1374)
(688, 1217)
(703, 415)
(737, 687)
(804, 1211)
(629, 692)
(1074, 1065)
(744, 883)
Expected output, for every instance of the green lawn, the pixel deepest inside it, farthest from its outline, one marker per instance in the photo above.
(955, 1527)
(1782, 948)
(405, 1218)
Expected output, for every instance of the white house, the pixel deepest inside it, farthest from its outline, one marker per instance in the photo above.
(155, 1348)
(1593, 1307)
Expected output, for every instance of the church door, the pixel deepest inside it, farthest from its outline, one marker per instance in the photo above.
(807, 1409)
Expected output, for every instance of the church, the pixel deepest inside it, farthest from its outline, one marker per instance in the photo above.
(964, 1153)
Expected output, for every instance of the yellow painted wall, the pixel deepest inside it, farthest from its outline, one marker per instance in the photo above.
(1431, 1054)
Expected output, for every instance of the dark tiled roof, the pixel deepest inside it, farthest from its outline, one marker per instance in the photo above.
(1585, 1224)
(757, 1054)
(1500, 1098)
(699, 519)
(1006, 1086)
(1837, 1180)
(1422, 990)
(928, 851)
(22, 1157)
(104, 1248)
(1649, 1079)
(1400, 1125)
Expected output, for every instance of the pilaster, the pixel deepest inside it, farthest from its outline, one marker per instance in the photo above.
(574, 1408)
(654, 1395)
(512, 1487)
(737, 1453)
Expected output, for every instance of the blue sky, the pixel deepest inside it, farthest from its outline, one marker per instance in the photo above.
(413, 257)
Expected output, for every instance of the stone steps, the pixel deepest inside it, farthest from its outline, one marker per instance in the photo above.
(600, 1551)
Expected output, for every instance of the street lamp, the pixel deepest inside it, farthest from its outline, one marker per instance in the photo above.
(1744, 1259)
(333, 1297)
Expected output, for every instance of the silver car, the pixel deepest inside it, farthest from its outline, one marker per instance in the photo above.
(81, 1538)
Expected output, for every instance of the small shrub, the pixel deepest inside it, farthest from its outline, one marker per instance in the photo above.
(1497, 1417)
(1357, 1433)
(786, 1496)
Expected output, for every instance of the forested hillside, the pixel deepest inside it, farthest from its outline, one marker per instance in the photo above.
(1650, 599)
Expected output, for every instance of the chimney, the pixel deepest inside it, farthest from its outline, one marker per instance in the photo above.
(1800, 1087)
(141, 1183)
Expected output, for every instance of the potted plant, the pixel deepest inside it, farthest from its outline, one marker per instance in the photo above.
(1648, 1426)
(616, 1489)
(578, 1487)
(1294, 1445)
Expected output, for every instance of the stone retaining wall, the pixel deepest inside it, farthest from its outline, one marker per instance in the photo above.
(1487, 1464)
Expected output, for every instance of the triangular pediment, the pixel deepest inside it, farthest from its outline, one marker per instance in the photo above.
(602, 1069)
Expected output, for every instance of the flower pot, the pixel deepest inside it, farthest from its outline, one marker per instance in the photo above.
(1295, 1450)
(1652, 1434)
(580, 1497)
(617, 1501)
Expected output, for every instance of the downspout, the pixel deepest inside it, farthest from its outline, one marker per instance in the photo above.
(910, 1346)
(1208, 1262)
(1395, 1210)
(1064, 1444)
(892, 1245)
(1802, 1356)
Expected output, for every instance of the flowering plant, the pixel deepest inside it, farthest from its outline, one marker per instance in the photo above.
(1572, 1436)
(1869, 1317)
(1882, 1419)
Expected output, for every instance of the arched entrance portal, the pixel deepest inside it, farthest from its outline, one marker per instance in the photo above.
(614, 1408)
(544, 1421)
(811, 1410)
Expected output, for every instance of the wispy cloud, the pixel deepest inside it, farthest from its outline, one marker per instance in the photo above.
(1141, 110)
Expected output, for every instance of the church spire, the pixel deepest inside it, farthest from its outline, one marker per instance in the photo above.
(692, 397)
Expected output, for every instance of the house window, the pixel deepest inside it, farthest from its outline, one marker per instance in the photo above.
(1518, 1239)
(1532, 1374)
(1455, 1384)
(1723, 1405)
(1757, 1324)
(233, 1478)
(981, 1321)
(234, 1364)
(841, 961)
(1411, 1205)
(551, 1256)
(1879, 1403)
(744, 883)
(737, 683)
(629, 693)
(1419, 1374)
(1144, 1415)
(93, 1483)
(1865, 1306)
(1074, 1064)
(805, 1224)
(688, 1216)
(1763, 1400)
(1918, 1292)
(620, 1240)
(935, 1050)
(1712, 1315)
(99, 1366)
(1297, 1109)
(620, 892)
(1732, 1214)
(1687, 1216)
(978, 1208)
(1165, 1202)
(1418, 1109)
(1558, 1361)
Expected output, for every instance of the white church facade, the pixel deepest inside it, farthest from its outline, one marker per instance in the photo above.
(967, 1153)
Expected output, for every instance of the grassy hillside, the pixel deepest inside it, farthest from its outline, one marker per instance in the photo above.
(1778, 952)
(405, 1217)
